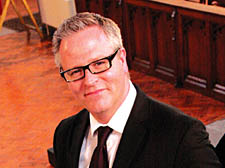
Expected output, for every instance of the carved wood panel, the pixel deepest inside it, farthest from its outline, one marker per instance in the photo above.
(202, 52)
(137, 27)
(195, 52)
(218, 55)
(95, 6)
(113, 10)
(151, 34)
(107, 8)
(164, 41)
(0, 7)
(81, 5)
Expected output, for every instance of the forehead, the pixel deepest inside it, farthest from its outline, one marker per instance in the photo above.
(84, 47)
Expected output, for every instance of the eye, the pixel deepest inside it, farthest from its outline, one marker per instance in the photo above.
(99, 63)
(75, 72)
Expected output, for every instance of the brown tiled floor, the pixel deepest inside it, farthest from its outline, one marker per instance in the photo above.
(31, 101)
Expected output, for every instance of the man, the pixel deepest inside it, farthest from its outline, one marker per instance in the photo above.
(144, 133)
(220, 150)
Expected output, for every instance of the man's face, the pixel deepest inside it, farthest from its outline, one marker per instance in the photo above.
(101, 93)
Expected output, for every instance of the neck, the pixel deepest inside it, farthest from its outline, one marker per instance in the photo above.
(104, 117)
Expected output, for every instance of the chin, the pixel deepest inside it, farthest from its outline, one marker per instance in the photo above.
(98, 107)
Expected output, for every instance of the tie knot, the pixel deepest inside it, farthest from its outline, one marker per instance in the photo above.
(103, 133)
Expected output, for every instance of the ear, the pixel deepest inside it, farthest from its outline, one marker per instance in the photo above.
(122, 57)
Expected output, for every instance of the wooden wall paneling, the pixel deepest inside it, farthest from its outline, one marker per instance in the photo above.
(164, 39)
(110, 8)
(128, 28)
(218, 61)
(137, 31)
(81, 5)
(209, 58)
(107, 8)
(141, 57)
(153, 36)
(0, 7)
(95, 6)
(113, 10)
(195, 52)
(202, 72)
(152, 51)
(173, 43)
(180, 51)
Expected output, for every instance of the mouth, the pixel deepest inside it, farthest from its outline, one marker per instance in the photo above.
(93, 93)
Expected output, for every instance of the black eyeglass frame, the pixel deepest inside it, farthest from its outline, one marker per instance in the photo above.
(109, 58)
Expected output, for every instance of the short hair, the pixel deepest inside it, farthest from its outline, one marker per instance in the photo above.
(81, 21)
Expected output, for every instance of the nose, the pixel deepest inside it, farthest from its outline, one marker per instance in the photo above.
(90, 78)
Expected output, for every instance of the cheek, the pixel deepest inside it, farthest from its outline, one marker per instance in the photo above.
(75, 89)
(115, 78)
(112, 77)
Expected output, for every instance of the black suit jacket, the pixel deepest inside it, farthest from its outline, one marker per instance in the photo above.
(155, 136)
(220, 150)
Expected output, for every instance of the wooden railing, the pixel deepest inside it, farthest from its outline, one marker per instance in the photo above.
(203, 7)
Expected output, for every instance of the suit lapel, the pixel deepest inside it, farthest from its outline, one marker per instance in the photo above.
(134, 134)
(78, 134)
(130, 145)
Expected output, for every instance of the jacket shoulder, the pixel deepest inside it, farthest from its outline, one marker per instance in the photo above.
(169, 117)
(69, 123)
(161, 116)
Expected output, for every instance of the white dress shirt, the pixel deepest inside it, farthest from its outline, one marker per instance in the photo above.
(117, 123)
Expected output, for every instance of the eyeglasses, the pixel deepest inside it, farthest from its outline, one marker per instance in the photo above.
(95, 67)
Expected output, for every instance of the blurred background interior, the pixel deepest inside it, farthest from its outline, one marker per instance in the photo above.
(175, 52)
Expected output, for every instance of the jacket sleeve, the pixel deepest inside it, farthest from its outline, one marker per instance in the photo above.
(195, 149)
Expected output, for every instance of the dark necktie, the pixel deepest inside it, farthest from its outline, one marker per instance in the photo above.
(100, 157)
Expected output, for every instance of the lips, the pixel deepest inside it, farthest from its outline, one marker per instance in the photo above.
(93, 93)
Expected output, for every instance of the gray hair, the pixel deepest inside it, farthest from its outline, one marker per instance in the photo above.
(81, 21)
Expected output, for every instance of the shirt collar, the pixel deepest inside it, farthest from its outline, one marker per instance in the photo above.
(119, 119)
